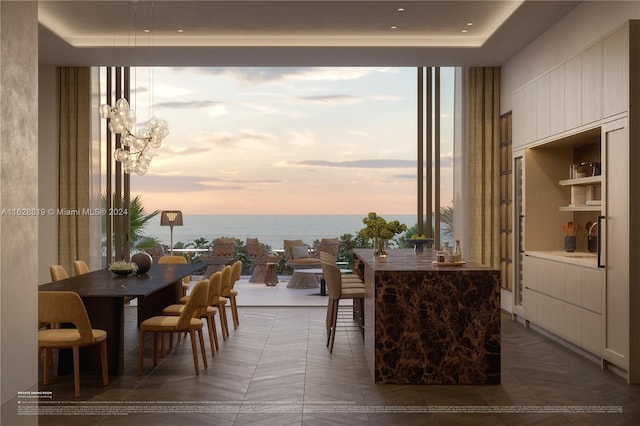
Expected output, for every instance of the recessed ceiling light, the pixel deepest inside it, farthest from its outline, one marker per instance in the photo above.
(464, 31)
(393, 27)
(180, 31)
(146, 30)
(469, 24)
(401, 9)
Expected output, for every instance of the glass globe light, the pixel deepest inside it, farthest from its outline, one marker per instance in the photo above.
(121, 154)
(139, 144)
(105, 111)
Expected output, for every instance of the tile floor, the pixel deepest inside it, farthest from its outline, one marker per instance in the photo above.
(275, 370)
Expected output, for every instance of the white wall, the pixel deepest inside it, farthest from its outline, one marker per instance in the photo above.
(584, 25)
(18, 189)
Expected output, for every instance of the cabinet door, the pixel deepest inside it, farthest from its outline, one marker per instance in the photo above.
(573, 93)
(530, 113)
(542, 107)
(530, 273)
(518, 119)
(573, 324)
(556, 101)
(616, 242)
(573, 284)
(592, 290)
(592, 332)
(615, 52)
(554, 275)
(592, 84)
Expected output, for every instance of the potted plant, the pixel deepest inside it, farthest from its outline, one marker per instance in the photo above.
(380, 231)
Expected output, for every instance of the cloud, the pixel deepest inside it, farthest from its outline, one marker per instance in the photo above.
(189, 104)
(302, 138)
(185, 184)
(168, 184)
(391, 98)
(361, 133)
(267, 75)
(357, 164)
(228, 139)
(328, 99)
(264, 109)
(184, 151)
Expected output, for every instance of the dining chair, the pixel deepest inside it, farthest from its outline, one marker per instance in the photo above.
(189, 321)
(222, 300)
(337, 292)
(230, 293)
(80, 267)
(56, 307)
(215, 282)
(169, 259)
(58, 272)
(348, 280)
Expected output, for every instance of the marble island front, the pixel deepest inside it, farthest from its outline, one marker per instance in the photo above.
(428, 324)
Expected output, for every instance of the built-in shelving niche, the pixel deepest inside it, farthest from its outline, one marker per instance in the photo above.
(548, 189)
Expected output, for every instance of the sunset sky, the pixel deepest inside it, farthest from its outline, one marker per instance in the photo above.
(285, 140)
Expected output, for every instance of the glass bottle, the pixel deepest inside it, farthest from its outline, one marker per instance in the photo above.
(457, 250)
(445, 247)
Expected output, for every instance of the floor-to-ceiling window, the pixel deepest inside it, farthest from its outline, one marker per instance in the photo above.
(281, 141)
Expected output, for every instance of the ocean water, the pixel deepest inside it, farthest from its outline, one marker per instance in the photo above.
(269, 229)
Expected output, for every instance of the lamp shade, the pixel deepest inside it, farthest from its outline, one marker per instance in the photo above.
(171, 218)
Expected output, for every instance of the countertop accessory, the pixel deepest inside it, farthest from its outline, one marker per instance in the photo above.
(457, 263)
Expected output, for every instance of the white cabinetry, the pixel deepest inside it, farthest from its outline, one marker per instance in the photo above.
(542, 107)
(615, 59)
(556, 101)
(573, 93)
(566, 300)
(616, 242)
(592, 84)
(596, 92)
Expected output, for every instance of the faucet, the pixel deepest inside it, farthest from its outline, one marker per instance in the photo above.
(591, 227)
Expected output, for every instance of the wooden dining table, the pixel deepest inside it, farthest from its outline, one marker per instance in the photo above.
(104, 295)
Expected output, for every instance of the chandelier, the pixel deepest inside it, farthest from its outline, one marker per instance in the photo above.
(135, 154)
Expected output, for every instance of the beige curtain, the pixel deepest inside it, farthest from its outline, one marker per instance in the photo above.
(484, 167)
(74, 163)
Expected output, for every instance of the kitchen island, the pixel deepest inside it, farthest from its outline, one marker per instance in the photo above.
(429, 324)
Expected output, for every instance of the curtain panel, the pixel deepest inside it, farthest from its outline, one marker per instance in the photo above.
(74, 165)
(484, 166)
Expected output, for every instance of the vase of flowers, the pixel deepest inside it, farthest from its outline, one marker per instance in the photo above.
(380, 231)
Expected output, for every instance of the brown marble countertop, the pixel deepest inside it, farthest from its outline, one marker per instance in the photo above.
(429, 324)
(407, 260)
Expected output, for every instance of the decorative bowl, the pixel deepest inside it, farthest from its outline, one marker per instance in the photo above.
(419, 243)
(121, 272)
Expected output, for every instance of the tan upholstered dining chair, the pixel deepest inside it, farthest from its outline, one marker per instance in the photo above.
(337, 292)
(215, 282)
(80, 267)
(188, 322)
(58, 307)
(169, 259)
(230, 293)
(58, 272)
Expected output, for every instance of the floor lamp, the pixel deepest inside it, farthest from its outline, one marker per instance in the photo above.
(171, 218)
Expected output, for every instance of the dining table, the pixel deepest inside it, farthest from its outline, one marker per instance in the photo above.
(105, 294)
